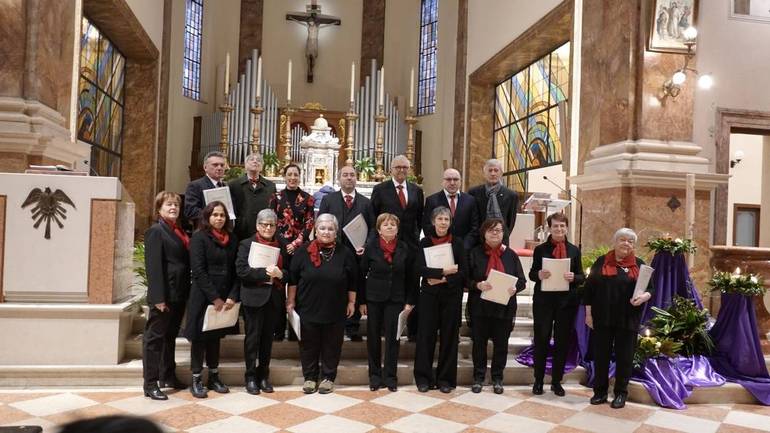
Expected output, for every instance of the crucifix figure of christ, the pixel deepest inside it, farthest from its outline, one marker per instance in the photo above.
(314, 21)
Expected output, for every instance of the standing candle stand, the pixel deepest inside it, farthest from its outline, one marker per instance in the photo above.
(225, 108)
(350, 118)
(256, 139)
(288, 111)
(380, 118)
(410, 120)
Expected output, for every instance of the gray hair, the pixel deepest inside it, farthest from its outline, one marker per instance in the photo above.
(255, 155)
(441, 210)
(493, 161)
(624, 232)
(212, 154)
(266, 215)
(400, 157)
(327, 217)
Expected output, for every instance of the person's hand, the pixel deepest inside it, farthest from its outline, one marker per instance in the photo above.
(162, 307)
(512, 290)
(434, 281)
(408, 309)
(229, 303)
(360, 251)
(590, 321)
(351, 309)
(450, 270)
(290, 248)
(483, 286)
(641, 299)
(218, 304)
(569, 276)
(362, 309)
(274, 272)
(544, 274)
(289, 306)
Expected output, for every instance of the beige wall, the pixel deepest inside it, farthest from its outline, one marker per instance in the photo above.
(150, 14)
(746, 178)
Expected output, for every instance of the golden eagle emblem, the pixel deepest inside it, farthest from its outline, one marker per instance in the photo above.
(48, 207)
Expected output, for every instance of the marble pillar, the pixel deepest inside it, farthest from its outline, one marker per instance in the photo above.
(458, 136)
(372, 36)
(251, 31)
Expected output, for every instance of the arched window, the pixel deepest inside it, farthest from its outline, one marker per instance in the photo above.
(100, 100)
(426, 83)
(193, 36)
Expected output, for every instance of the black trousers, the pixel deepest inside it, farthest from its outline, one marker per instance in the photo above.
(623, 342)
(498, 330)
(200, 350)
(321, 343)
(258, 341)
(552, 318)
(382, 316)
(159, 343)
(439, 315)
(353, 323)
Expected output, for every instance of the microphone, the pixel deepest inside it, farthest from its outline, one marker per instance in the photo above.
(90, 169)
(569, 194)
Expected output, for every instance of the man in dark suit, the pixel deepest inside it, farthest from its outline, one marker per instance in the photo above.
(465, 214)
(251, 193)
(494, 200)
(214, 165)
(347, 204)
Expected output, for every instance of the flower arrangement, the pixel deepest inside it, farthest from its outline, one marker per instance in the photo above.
(742, 284)
(271, 163)
(673, 246)
(365, 167)
(649, 346)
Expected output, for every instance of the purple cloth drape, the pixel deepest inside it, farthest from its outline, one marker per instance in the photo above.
(671, 278)
(527, 356)
(669, 381)
(738, 355)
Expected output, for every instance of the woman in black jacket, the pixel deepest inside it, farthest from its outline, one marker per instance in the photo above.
(167, 263)
(385, 291)
(440, 308)
(261, 298)
(554, 310)
(214, 282)
(490, 319)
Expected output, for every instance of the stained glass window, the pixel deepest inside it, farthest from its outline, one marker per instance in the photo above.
(528, 115)
(100, 101)
(426, 83)
(193, 35)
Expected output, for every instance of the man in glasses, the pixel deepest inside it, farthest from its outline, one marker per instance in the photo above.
(251, 193)
(465, 215)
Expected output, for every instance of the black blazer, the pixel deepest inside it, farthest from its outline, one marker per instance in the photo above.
(506, 198)
(167, 263)
(334, 203)
(248, 201)
(478, 272)
(455, 282)
(382, 281)
(563, 299)
(193, 199)
(213, 276)
(465, 223)
(256, 286)
(385, 199)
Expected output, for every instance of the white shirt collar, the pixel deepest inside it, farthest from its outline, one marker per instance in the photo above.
(214, 181)
(397, 184)
(447, 194)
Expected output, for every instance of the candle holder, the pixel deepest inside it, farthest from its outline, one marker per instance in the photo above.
(410, 120)
(256, 138)
(224, 144)
(350, 149)
(287, 112)
(380, 118)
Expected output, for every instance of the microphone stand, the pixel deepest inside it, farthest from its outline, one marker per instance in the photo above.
(569, 195)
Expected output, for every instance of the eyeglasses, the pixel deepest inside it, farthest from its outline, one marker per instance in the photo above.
(495, 231)
(400, 167)
(266, 225)
(452, 179)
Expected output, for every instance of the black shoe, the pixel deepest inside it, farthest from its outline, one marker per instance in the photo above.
(172, 383)
(537, 388)
(446, 389)
(154, 392)
(392, 388)
(216, 385)
(423, 387)
(197, 389)
(251, 386)
(556, 388)
(357, 338)
(266, 386)
(374, 387)
(619, 401)
(476, 388)
(497, 386)
(599, 399)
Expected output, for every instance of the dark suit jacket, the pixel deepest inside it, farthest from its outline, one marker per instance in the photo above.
(248, 202)
(334, 203)
(256, 285)
(465, 223)
(562, 299)
(167, 263)
(193, 199)
(506, 198)
(385, 199)
(477, 262)
(386, 282)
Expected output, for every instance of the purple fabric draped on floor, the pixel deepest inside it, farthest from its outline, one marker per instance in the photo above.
(738, 355)
(671, 278)
(527, 356)
(669, 381)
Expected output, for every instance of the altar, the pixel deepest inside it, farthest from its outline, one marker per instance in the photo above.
(320, 152)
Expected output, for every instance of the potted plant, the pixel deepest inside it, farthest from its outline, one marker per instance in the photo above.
(365, 167)
(233, 172)
(271, 164)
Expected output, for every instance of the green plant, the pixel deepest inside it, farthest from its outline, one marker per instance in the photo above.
(674, 246)
(233, 172)
(270, 161)
(589, 257)
(652, 347)
(365, 166)
(742, 284)
(683, 322)
(139, 270)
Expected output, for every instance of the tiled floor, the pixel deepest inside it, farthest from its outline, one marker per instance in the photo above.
(355, 409)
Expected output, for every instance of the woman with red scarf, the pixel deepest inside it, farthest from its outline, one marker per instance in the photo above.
(214, 282)
(614, 314)
(322, 287)
(261, 290)
(490, 319)
(440, 306)
(167, 262)
(554, 312)
(385, 291)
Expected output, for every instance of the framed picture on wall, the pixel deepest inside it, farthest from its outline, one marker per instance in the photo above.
(669, 20)
(750, 10)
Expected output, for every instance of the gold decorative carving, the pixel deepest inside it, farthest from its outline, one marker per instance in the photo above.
(313, 106)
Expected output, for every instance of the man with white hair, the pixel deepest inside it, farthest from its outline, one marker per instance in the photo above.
(401, 198)
(251, 193)
(494, 200)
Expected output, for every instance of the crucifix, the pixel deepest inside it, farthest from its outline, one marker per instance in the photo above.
(314, 21)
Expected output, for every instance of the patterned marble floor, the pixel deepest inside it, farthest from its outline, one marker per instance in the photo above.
(356, 409)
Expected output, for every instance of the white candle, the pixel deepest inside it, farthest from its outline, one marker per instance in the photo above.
(411, 90)
(381, 100)
(352, 80)
(227, 73)
(288, 91)
(259, 77)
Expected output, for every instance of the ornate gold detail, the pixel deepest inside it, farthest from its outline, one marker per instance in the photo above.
(313, 106)
(341, 126)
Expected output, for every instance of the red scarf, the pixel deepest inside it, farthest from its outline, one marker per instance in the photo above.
(388, 248)
(494, 261)
(610, 268)
(314, 250)
(442, 240)
(178, 232)
(221, 236)
(273, 244)
(559, 249)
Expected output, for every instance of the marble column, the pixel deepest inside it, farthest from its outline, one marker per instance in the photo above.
(372, 36)
(458, 138)
(251, 31)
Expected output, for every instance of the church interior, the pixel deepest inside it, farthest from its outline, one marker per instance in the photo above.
(647, 114)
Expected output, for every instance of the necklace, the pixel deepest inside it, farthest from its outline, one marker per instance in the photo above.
(326, 254)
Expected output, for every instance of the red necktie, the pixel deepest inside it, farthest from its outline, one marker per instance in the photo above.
(348, 201)
(401, 196)
(253, 183)
(452, 206)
